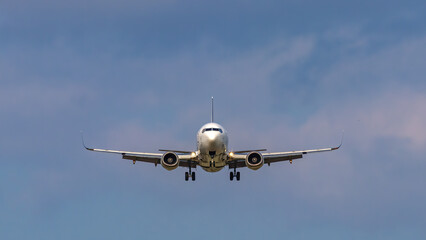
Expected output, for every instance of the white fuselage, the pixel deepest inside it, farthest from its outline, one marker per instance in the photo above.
(212, 145)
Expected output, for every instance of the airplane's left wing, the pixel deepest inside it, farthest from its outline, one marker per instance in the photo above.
(288, 156)
(238, 160)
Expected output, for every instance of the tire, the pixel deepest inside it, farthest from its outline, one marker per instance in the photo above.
(193, 176)
(231, 176)
(238, 176)
(186, 176)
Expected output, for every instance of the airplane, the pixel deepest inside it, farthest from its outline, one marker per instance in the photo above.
(212, 154)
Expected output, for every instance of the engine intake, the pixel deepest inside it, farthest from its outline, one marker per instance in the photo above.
(170, 161)
(254, 160)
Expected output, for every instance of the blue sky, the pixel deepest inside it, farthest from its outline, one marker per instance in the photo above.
(286, 75)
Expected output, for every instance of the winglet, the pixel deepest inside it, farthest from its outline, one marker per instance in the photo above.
(341, 142)
(82, 141)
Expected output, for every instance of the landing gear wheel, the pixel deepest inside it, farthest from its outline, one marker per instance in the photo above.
(193, 176)
(186, 176)
(231, 176)
(238, 176)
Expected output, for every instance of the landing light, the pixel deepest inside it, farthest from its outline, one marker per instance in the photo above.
(193, 154)
(231, 154)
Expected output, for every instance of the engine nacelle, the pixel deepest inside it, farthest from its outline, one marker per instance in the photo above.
(170, 161)
(254, 160)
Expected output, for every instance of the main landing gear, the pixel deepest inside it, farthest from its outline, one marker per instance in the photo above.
(189, 174)
(234, 174)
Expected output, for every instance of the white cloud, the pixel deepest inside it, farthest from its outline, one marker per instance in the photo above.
(395, 114)
(242, 81)
(400, 63)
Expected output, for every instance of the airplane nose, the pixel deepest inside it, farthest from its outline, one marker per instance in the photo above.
(212, 137)
(211, 144)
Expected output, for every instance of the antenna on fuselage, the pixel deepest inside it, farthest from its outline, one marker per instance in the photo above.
(212, 111)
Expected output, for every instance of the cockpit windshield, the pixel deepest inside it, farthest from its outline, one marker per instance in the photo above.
(212, 129)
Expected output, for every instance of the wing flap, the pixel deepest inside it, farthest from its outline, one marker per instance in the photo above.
(185, 163)
(280, 158)
(182, 163)
(155, 160)
(236, 164)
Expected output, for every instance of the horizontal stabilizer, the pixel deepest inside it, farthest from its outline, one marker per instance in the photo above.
(246, 151)
(176, 151)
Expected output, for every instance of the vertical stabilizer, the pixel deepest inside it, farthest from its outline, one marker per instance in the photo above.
(212, 111)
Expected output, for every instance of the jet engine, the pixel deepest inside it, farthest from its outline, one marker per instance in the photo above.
(254, 160)
(170, 161)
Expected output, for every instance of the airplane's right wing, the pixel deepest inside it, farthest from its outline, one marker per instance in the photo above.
(136, 156)
(184, 159)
